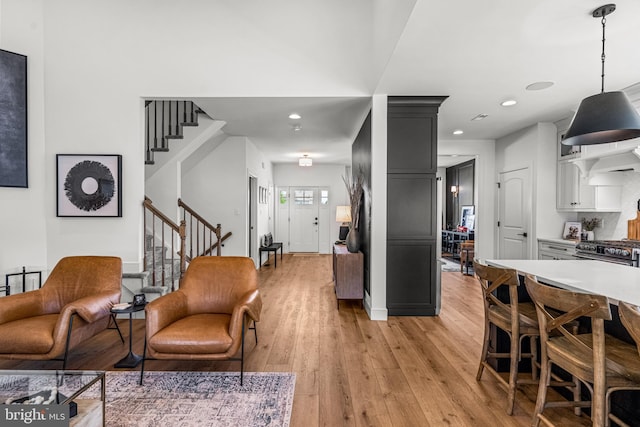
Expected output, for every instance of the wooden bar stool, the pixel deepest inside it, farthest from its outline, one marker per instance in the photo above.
(517, 319)
(467, 254)
(603, 368)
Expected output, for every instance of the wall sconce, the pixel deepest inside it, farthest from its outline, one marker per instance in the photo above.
(454, 190)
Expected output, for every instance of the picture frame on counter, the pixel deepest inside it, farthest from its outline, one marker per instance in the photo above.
(572, 230)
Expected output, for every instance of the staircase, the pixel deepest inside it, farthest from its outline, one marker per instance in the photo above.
(169, 246)
(165, 121)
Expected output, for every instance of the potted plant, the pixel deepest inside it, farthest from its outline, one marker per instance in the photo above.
(588, 225)
(355, 191)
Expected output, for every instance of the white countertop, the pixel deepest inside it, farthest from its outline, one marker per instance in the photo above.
(615, 281)
(558, 241)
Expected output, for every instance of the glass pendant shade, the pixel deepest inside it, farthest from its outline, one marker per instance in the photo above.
(605, 117)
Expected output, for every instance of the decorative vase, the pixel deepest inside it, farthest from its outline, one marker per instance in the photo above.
(590, 235)
(353, 240)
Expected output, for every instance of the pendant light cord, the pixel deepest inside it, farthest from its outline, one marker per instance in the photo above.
(604, 21)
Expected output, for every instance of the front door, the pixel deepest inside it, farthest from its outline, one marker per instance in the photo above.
(303, 228)
(515, 214)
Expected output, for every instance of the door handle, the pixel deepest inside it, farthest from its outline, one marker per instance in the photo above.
(523, 234)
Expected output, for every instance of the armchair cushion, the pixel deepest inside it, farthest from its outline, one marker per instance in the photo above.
(198, 334)
(35, 325)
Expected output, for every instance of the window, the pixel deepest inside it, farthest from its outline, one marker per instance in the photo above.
(303, 197)
(324, 197)
(283, 197)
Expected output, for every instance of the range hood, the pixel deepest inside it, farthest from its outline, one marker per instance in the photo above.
(616, 160)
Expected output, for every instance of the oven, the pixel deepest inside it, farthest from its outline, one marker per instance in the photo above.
(624, 252)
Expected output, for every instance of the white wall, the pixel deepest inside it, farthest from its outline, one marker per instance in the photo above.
(376, 301)
(261, 168)
(103, 58)
(321, 175)
(485, 189)
(216, 187)
(536, 148)
(22, 210)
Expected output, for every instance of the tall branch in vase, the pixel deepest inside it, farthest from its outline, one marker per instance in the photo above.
(355, 190)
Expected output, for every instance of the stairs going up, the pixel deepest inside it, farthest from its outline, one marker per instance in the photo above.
(165, 121)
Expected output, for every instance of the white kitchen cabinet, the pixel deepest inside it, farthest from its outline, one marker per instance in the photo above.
(575, 194)
(555, 249)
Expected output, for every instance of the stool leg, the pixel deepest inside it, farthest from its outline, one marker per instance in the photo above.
(513, 372)
(485, 350)
(545, 376)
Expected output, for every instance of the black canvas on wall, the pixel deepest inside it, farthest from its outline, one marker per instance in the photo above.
(13, 119)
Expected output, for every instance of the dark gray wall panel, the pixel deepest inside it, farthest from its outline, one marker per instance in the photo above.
(409, 208)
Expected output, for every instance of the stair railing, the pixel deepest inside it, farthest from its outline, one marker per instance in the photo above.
(201, 234)
(165, 235)
(165, 120)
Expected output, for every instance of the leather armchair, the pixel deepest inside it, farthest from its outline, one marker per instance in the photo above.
(73, 305)
(207, 317)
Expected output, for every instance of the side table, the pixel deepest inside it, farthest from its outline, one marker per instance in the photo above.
(131, 360)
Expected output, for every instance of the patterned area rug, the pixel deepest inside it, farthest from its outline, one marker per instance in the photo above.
(199, 399)
(187, 399)
(448, 265)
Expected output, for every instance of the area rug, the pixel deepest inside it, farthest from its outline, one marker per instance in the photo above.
(199, 399)
(448, 265)
(189, 399)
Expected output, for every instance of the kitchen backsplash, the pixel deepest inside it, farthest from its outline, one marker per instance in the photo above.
(615, 223)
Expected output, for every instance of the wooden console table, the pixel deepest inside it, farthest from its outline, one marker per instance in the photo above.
(347, 274)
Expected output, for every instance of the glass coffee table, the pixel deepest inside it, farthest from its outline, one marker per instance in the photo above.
(82, 392)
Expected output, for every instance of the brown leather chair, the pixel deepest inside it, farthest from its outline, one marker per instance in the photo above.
(207, 317)
(73, 305)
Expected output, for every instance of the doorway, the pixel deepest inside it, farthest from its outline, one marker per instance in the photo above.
(252, 244)
(304, 219)
(514, 214)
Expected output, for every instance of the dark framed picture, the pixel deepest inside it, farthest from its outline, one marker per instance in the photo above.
(89, 185)
(13, 120)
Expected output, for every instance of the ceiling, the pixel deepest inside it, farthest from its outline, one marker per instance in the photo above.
(476, 53)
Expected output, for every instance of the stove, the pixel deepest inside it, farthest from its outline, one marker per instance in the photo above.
(625, 252)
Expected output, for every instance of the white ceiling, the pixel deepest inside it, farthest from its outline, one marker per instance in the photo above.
(478, 53)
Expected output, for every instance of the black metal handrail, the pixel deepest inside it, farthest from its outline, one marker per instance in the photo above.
(200, 233)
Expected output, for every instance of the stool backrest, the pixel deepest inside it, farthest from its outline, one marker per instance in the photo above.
(491, 279)
(557, 308)
(630, 317)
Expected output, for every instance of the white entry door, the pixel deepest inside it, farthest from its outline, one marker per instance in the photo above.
(515, 214)
(304, 219)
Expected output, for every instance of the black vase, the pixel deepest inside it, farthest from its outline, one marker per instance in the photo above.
(353, 240)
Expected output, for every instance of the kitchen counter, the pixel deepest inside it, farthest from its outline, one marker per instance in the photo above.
(558, 241)
(617, 282)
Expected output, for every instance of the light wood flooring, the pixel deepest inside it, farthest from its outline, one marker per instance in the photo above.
(351, 371)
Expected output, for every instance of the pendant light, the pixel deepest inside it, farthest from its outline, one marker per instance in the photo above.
(607, 116)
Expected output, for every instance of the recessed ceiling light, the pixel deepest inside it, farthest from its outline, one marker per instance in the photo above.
(458, 132)
(508, 102)
(480, 116)
(295, 116)
(539, 85)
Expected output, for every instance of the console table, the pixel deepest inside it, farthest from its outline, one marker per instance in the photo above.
(348, 274)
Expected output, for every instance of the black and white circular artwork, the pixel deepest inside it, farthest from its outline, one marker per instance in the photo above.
(88, 185)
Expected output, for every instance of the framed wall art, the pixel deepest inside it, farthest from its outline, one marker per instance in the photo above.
(13, 120)
(89, 185)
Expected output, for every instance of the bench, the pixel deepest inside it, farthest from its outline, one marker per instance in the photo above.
(273, 247)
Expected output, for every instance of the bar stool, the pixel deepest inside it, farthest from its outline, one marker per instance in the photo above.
(630, 317)
(467, 254)
(603, 369)
(517, 319)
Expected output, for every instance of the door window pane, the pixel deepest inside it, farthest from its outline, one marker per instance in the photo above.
(324, 197)
(303, 197)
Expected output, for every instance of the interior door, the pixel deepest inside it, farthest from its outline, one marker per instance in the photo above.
(304, 219)
(515, 214)
(252, 235)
